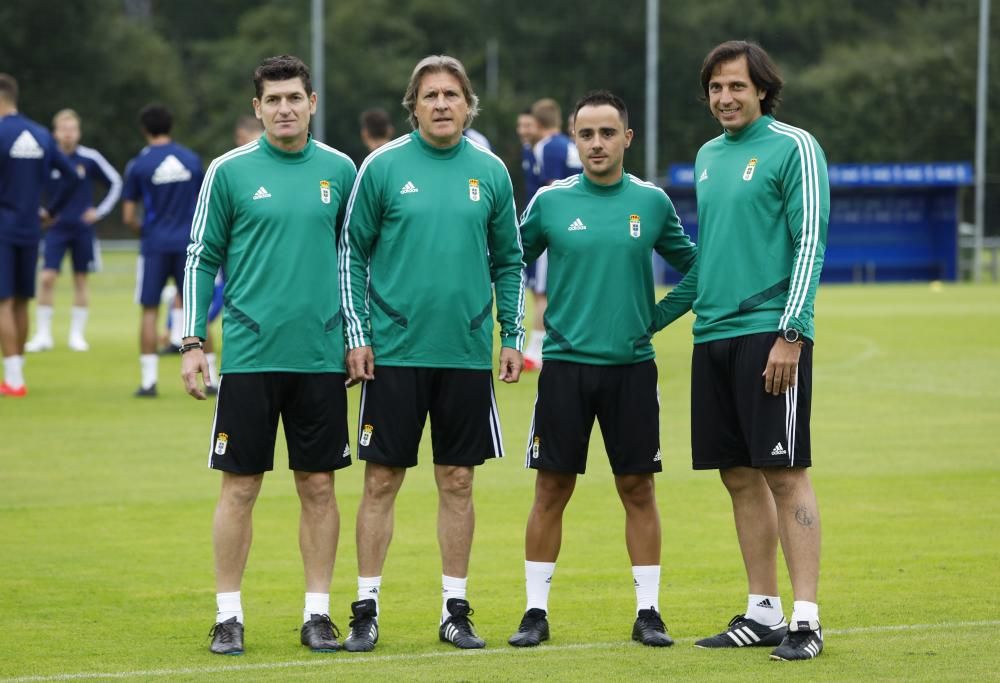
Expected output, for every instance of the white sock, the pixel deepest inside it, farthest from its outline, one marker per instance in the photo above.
(805, 611)
(78, 320)
(534, 348)
(176, 326)
(213, 373)
(647, 586)
(537, 582)
(13, 371)
(316, 603)
(451, 587)
(369, 588)
(150, 364)
(228, 606)
(43, 316)
(765, 609)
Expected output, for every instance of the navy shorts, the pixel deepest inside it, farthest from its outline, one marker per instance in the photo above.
(734, 422)
(17, 270)
(152, 272)
(79, 240)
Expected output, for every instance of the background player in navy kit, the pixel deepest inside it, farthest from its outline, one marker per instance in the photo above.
(376, 128)
(529, 135)
(73, 232)
(600, 229)
(165, 179)
(27, 156)
(555, 158)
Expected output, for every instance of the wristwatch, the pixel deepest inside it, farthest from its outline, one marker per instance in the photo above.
(791, 335)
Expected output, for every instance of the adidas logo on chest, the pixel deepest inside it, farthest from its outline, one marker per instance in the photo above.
(171, 170)
(261, 193)
(576, 225)
(409, 188)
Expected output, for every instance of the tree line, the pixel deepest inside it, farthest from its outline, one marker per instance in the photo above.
(873, 81)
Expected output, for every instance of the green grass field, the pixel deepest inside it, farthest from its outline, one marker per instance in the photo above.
(105, 509)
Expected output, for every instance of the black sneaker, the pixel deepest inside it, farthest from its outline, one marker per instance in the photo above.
(227, 637)
(320, 634)
(804, 640)
(363, 633)
(457, 628)
(649, 629)
(743, 632)
(146, 392)
(534, 629)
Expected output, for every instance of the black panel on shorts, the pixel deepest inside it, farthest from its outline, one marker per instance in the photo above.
(734, 422)
(312, 407)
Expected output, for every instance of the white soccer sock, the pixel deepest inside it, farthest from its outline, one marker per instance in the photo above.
(13, 371)
(78, 320)
(534, 348)
(213, 373)
(43, 316)
(451, 587)
(764, 609)
(537, 582)
(647, 586)
(176, 326)
(805, 611)
(369, 588)
(150, 365)
(316, 603)
(228, 606)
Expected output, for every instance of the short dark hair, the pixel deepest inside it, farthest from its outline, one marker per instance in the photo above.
(156, 119)
(8, 87)
(596, 98)
(376, 123)
(249, 123)
(281, 68)
(763, 71)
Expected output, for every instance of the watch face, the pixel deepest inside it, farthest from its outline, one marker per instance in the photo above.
(791, 335)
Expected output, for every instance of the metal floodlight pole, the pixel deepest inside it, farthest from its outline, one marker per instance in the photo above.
(318, 70)
(981, 95)
(652, 85)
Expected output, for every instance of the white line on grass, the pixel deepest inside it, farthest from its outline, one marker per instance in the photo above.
(347, 660)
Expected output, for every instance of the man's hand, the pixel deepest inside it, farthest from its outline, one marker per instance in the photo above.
(360, 365)
(193, 363)
(511, 364)
(89, 216)
(782, 367)
(45, 217)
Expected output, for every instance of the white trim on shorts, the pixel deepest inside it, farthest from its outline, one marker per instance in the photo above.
(215, 418)
(140, 267)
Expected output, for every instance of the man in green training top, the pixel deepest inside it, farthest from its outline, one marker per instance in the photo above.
(430, 233)
(600, 229)
(763, 208)
(270, 213)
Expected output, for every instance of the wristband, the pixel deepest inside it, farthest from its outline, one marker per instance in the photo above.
(191, 347)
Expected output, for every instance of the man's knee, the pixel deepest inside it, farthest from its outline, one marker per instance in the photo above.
(738, 480)
(241, 490)
(553, 488)
(314, 487)
(785, 481)
(636, 490)
(455, 482)
(382, 482)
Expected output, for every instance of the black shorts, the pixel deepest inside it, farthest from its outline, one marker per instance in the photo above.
(465, 423)
(313, 410)
(625, 400)
(18, 263)
(734, 422)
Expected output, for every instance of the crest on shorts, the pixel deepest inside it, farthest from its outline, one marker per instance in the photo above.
(634, 225)
(474, 189)
(324, 191)
(535, 446)
(748, 171)
(366, 435)
(221, 443)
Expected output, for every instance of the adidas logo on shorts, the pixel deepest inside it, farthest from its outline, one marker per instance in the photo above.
(779, 450)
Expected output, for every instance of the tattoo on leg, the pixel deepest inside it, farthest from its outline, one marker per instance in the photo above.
(803, 516)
